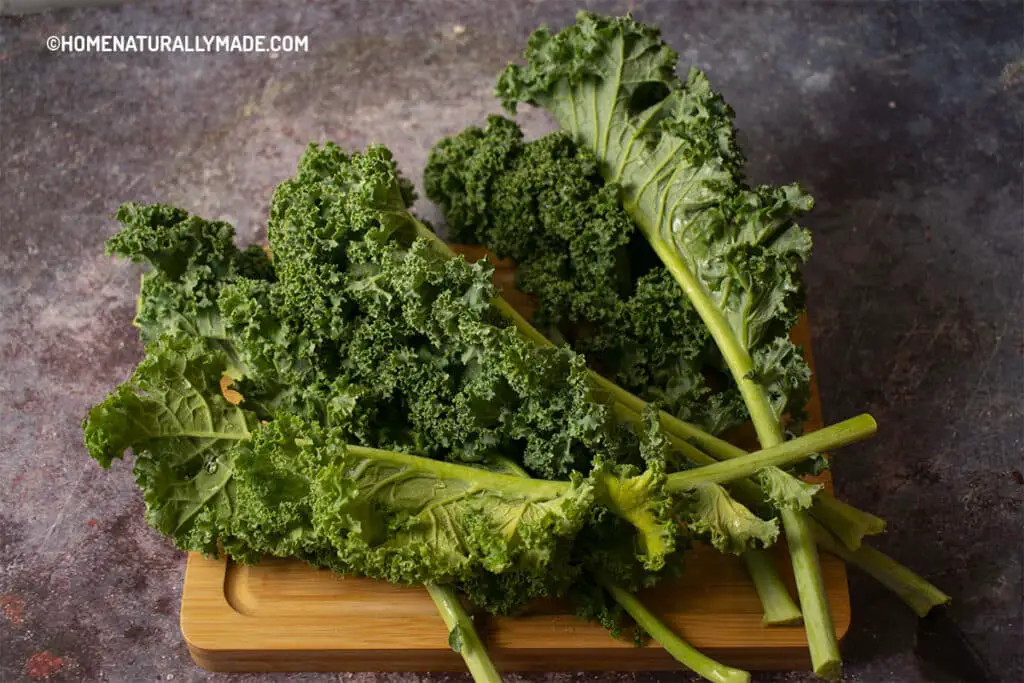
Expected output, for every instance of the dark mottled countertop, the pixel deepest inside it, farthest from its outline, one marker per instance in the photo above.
(903, 118)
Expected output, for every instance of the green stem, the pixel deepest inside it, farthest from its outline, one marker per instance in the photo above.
(821, 633)
(920, 595)
(779, 608)
(821, 636)
(785, 453)
(445, 470)
(846, 521)
(682, 651)
(472, 650)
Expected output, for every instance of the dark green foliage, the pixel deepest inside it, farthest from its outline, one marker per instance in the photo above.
(669, 145)
(544, 205)
(387, 415)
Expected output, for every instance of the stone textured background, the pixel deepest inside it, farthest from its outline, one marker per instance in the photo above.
(903, 118)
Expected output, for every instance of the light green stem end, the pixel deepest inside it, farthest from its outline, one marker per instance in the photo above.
(821, 634)
(920, 595)
(779, 608)
(682, 651)
(457, 620)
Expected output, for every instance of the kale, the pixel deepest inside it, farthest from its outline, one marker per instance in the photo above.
(544, 205)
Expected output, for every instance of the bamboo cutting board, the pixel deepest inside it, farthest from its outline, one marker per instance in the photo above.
(282, 615)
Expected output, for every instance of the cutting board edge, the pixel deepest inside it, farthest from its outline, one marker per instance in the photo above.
(509, 661)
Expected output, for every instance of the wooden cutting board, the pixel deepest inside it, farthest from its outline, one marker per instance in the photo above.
(282, 615)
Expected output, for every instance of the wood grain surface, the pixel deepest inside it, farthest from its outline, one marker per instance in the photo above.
(282, 615)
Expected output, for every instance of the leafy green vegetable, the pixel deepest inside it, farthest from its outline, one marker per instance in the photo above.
(544, 205)
(390, 416)
(669, 145)
(735, 251)
(212, 472)
(384, 411)
(367, 360)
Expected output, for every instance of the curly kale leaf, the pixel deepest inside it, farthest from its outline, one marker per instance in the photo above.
(191, 259)
(409, 330)
(670, 145)
(211, 473)
(729, 526)
(185, 436)
(545, 205)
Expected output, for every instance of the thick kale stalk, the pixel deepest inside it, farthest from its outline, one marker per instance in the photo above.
(462, 636)
(735, 251)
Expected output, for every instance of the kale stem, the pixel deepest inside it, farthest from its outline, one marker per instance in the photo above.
(779, 608)
(682, 651)
(673, 644)
(785, 453)
(849, 524)
(803, 552)
(821, 633)
(502, 482)
(472, 650)
(846, 521)
(920, 595)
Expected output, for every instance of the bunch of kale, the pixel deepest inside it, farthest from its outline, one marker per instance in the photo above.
(357, 397)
